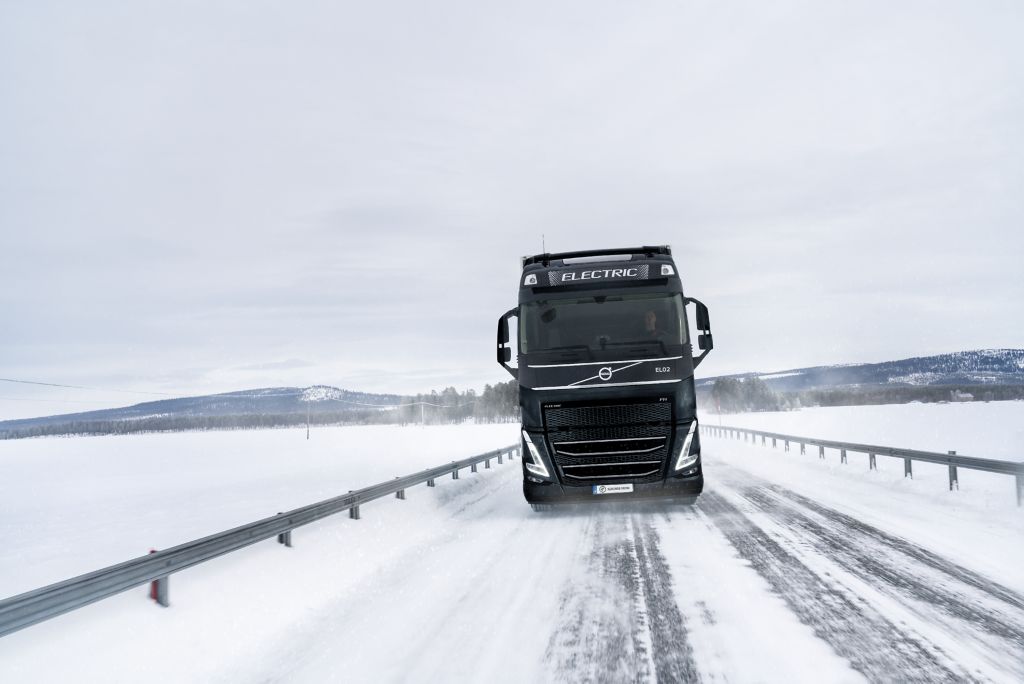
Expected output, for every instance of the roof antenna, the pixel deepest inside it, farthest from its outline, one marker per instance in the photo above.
(543, 248)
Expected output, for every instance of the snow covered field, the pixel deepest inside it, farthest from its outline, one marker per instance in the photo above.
(788, 569)
(988, 430)
(71, 505)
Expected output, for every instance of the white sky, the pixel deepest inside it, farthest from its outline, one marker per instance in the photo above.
(201, 197)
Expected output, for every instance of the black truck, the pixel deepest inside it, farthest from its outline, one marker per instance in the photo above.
(605, 371)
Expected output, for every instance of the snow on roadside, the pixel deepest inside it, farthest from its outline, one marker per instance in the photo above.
(983, 429)
(979, 526)
(72, 505)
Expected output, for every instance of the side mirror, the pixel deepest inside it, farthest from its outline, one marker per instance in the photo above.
(504, 353)
(703, 319)
(704, 340)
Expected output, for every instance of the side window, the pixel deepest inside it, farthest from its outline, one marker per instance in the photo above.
(684, 333)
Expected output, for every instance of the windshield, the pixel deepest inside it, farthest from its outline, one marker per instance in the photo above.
(600, 323)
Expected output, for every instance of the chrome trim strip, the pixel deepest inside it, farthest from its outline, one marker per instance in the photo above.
(593, 465)
(608, 384)
(615, 476)
(610, 453)
(620, 439)
(600, 363)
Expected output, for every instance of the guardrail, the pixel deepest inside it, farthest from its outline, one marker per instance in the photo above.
(42, 604)
(950, 459)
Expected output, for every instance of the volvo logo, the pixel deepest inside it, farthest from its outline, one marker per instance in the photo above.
(605, 373)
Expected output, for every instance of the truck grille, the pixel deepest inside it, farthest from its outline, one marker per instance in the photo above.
(627, 441)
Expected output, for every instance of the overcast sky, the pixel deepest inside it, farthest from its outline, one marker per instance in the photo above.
(210, 196)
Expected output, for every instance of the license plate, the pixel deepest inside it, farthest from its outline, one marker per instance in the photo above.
(613, 489)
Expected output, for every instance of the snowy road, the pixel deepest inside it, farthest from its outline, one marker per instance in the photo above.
(756, 582)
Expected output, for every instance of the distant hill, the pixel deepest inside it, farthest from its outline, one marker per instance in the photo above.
(269, 407)
(276, 407)
(992, 367)
(275, 400)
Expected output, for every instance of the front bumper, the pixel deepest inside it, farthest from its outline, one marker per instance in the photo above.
(671, 488)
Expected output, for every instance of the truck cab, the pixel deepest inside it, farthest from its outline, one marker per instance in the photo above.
(605, 370)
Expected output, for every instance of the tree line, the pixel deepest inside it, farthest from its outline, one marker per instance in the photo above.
(732, 395)
(497, 404)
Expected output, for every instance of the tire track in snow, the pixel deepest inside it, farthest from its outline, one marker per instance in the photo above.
(673, 654)
(872, 644)
(597, 638)
(898, 575)
(620, 619)
(912, 551)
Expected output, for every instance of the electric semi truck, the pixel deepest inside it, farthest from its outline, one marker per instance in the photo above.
(605, 371)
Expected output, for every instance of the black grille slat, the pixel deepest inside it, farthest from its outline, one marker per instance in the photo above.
(618, 414)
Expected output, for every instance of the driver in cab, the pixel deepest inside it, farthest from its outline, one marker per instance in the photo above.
(651, 329)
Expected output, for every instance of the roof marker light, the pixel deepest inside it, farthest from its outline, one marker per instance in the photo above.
(667, 270)
(530, 279)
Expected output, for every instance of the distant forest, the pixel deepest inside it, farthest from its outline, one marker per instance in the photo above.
(732, 395)
(497, 404)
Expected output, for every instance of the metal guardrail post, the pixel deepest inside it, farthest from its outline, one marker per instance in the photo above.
(160, 591)
(872, 465)
(803, 449)
(908, 468)
(954, 483)
(499, 458)
(400, 494)
(354, 513)
(455, 474)
(430, 483)
(1020, 488)
(472, 468)
(821, 452)
(487, 463)
(842, 455)
(285, 537)
(774, 445)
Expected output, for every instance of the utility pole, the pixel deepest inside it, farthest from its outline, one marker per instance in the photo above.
(307, 420)
(423, 419)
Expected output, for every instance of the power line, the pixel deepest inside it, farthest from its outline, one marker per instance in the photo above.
(54, 401)
(82, 387)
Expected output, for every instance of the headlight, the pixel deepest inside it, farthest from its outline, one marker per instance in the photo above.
(685, 458)
(536, 464)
